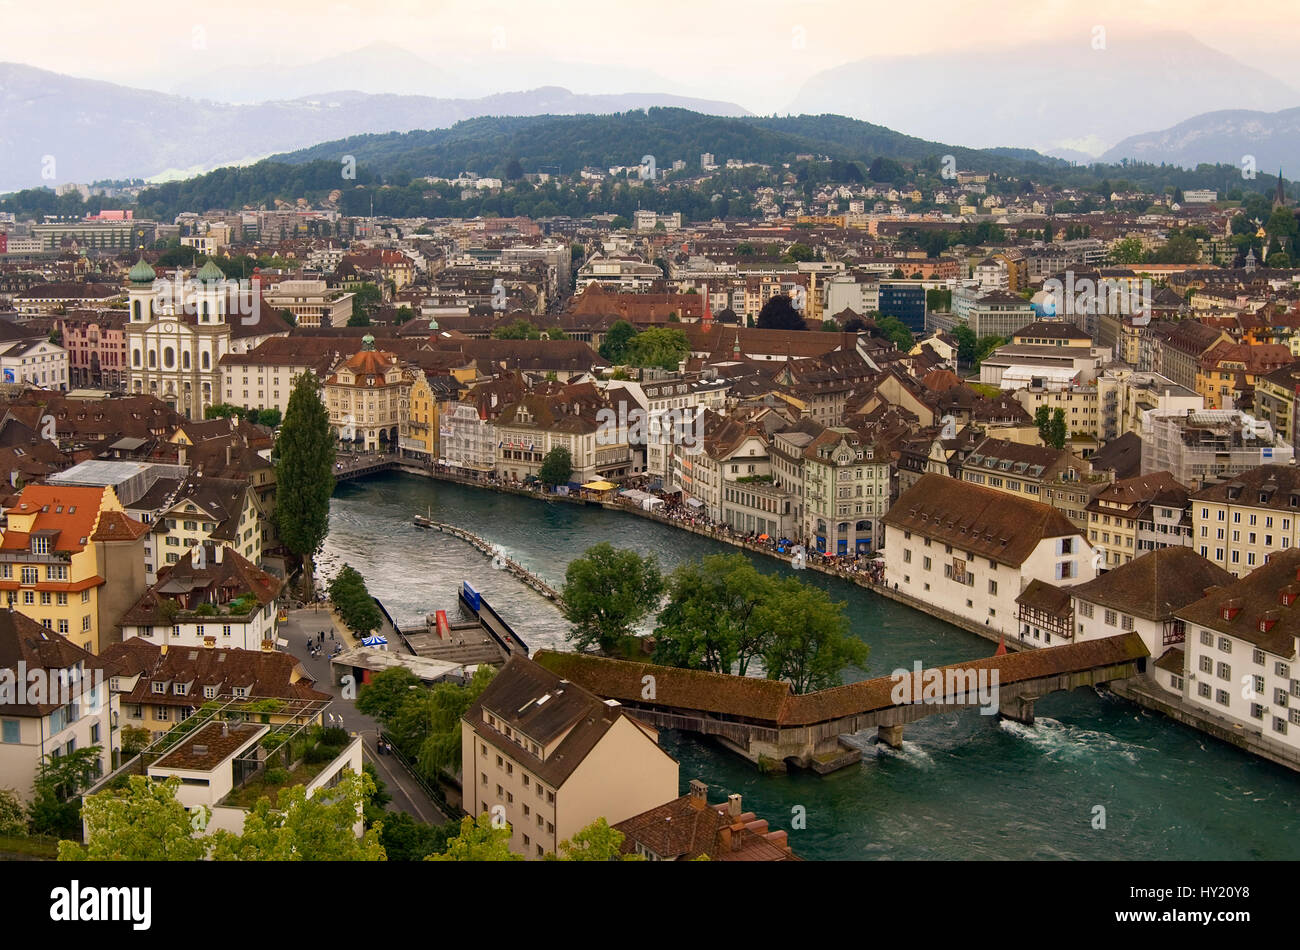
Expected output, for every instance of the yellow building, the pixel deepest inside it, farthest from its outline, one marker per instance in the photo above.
(1239, 523)
(365, 396)
(419, 430)
(1116, 514)
(1228, 371)
(210, 509)
(72, 560)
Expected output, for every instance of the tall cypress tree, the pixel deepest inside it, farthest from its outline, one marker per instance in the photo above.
(304, 475)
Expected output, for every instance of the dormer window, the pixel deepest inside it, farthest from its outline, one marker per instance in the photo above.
(209, 692)
(40, 545)
(160, 688)
(181, 689)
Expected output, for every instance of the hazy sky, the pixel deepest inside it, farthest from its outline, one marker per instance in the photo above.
(755, 53)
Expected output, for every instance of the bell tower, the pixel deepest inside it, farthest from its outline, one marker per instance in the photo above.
(140, 293)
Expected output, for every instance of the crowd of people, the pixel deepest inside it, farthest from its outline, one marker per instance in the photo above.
(857, 566)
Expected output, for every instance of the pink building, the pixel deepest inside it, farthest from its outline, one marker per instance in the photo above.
(96, 345)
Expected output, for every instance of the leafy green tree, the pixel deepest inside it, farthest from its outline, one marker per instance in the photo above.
(13, 814)
(986, 345)
(352, 600)
(406, 839)
(659, 346)
(1058, 432)
(364, 300)
(60, 780)
(1178, 249)
(800, 252)
(423, 723)
(144, 822)
(830, 326)
(519, 330)
(1127, 251)
(596, 842)
(1043, 420)
(1282, 223)
(607, 592)
(966, 344)
(708, 621)
(301, 828)
(134, 739)
(304, 476)
(440, 749)
(555, 333)
(808, 643)
(779, 314)
(556, 467)
(896, 332)
(618, 338)
(224, 410)
(479, 840)
(386, 692)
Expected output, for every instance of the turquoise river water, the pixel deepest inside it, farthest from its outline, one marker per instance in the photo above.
(964, 786)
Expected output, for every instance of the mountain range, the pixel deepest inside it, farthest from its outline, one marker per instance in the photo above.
(1272, 139)
(1062, 97)
(97, 130)
(1074, 100)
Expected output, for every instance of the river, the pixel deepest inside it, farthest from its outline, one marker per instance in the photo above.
(964, 786)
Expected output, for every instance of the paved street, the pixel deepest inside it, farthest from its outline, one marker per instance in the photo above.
(407, 795)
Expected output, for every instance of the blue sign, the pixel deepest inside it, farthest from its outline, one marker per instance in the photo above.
(471, 595)
(9, 376)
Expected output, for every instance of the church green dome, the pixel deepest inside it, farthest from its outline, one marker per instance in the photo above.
(210, 273)
(141, 273)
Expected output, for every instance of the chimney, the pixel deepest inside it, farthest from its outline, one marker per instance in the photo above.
(699, 794)
(181, 455)
(733, 806)
(216, 553)
(229, 450)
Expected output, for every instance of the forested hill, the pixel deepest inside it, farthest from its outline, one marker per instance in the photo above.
(568, 143)
(389, 168)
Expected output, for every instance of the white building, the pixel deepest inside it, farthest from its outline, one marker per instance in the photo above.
(211, 597)
(179, 331)
(465, 440)
(1143, 596)
(40, 364)
(971, 550)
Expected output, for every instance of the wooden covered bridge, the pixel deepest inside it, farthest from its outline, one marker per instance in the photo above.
(764, 720)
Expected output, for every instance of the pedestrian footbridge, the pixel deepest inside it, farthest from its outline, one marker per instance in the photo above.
(768, 723)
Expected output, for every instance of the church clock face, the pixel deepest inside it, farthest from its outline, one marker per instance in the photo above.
(168, 328)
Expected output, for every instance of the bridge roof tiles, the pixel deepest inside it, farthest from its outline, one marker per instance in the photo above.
(771, 702)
